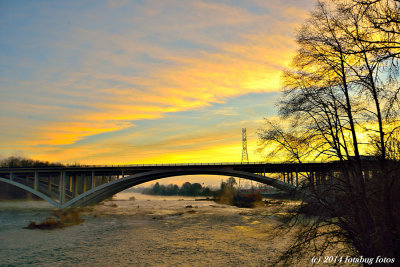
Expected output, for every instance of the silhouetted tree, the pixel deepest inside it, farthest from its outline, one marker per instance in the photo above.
(384, 20)
(156, 188)
(340, 101)
(227, 191)
(187, 189)
(196, 189)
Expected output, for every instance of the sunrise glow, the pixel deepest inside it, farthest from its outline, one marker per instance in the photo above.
(120, 82)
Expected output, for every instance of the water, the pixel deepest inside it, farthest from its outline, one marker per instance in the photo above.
(147, 231)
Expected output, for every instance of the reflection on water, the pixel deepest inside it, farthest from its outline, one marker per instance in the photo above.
(147, 231)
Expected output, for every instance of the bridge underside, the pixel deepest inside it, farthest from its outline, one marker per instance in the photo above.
(78, 187)
(107, 190)
(31, 190)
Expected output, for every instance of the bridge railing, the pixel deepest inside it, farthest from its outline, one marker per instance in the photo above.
(72, 166)
(171, 164)
(136, 165)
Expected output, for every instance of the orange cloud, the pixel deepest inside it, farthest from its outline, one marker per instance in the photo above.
(196, 82)
(65, 133)
(112, 86)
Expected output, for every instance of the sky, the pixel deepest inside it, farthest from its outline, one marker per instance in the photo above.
(141, 82)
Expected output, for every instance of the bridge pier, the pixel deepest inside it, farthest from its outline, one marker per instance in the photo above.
(83, 177)
(76, 185)
(70, 183)
(63, 187)
(324, 177)
(93, 180)
(311, 177)
(60, 189)
(36, 181)
(366, 174)
(49, 183)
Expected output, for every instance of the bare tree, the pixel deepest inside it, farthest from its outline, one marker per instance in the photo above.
(384, 21)
(340, 101)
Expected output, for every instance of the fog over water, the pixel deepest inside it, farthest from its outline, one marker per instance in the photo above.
(147, 231)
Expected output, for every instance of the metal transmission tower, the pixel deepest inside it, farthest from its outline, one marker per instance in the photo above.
(245, 157)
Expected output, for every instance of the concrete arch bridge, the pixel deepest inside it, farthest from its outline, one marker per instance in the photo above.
(78, 186)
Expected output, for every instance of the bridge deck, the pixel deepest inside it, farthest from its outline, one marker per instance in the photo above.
(65, 186)
(254, 167)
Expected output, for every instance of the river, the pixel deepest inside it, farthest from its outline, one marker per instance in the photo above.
(147, 231)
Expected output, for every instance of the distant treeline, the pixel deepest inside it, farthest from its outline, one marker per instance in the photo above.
(226, 194)
(187, 189)
(12, 162)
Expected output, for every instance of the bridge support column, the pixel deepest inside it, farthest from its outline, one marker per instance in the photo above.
(11, 176)
(76, 185)
(93, 180)
(366, 174)
(284, 179)
(49, 183)
(36, 181)
(323, 177)
(123, 175)
(329, 176)
(62, 187)
(70, 183)
(297, 179)
(312, 179)
(317, 178)
(59, 186)
(83, 177)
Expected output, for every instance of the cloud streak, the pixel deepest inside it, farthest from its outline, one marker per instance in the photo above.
(99, 70)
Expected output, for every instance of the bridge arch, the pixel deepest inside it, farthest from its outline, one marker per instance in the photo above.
(107, 190)
(31, 190)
